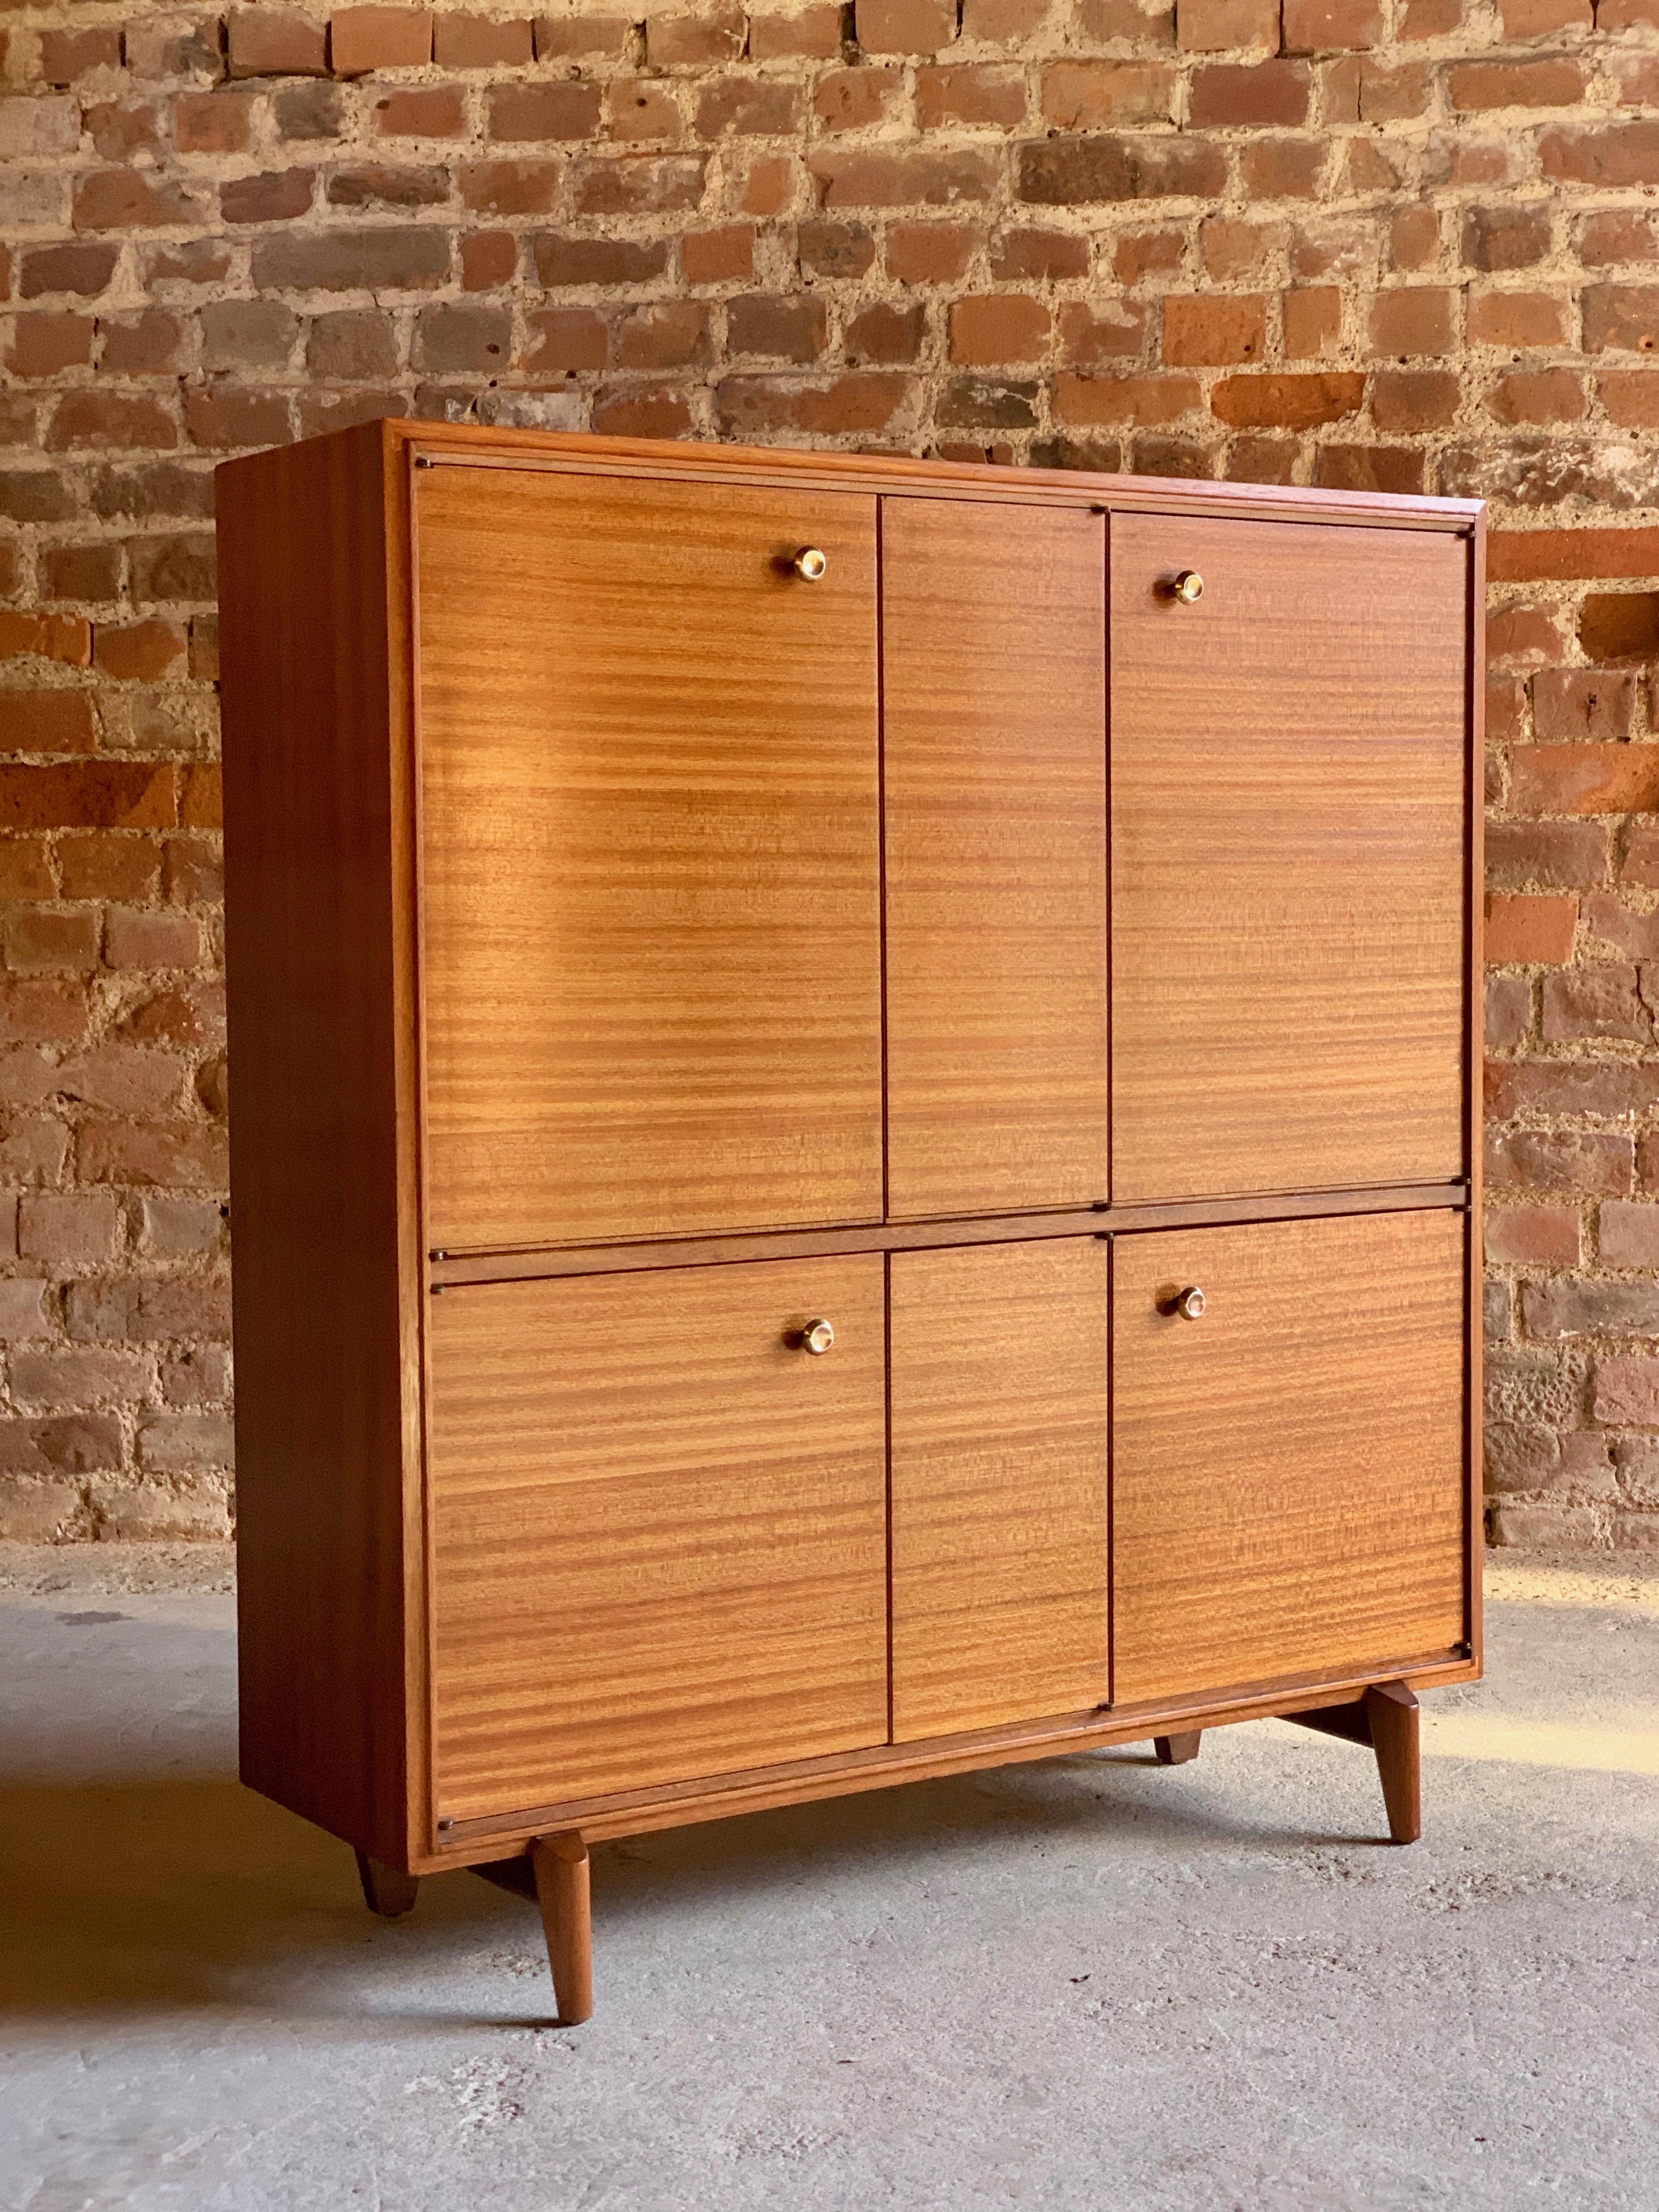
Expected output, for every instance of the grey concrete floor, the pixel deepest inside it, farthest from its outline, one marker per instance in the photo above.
(1092, 1983)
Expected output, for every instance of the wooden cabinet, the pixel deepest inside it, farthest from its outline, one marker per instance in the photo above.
(853, 1140)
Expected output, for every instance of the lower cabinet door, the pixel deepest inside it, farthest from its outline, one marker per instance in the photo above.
(1288, 1479)
(658, 1528)
(999, 1485)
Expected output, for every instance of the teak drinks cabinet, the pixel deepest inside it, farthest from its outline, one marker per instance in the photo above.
(854, 1146)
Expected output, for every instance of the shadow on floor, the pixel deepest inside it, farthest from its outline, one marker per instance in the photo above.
(195, 1892)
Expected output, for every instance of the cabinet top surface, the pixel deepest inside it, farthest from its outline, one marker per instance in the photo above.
(477, 446)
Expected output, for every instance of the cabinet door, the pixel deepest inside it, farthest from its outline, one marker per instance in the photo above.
(658, 1528)
(994, 712)
(1288, 857)
(1288, 1497)
(652, 972)
(999, 1441)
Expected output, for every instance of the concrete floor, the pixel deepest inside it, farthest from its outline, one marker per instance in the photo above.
(1094, 1983)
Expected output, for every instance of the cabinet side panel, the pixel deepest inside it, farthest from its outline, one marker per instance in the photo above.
(315, 820)
(994, 733)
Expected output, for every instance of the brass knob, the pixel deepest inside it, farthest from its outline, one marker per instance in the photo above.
(810, 564)
(1190, 1303)
(1187, 587)
(817, 1336)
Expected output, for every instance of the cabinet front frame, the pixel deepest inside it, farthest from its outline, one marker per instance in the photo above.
(406, 446)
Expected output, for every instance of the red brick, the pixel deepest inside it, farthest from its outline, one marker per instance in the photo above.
(25, 867)
(1092, 337)
(724, 255)
(68, 56)
(878, 178)
(268, 41)
(712, 32)
(213, 122)
(642, 414)
(557, 111)
(929, 253)
(644, 108)
(1536, 1236)
(1206, 329)
(490, 259)
(1340, 467)
(1314, 26)
(904, 26)
(1625, 1392)
(1140, 254)
(277, 196)
(425, 111)
(510, 188)
(1419, 319)
(974, 94)
(1619, 626)
(1562, 1160)
(640, 184)
(1542, 19)
(93, 794)
(567, 339)
(748, 107)
(1617, 155)
(46, 344)
(1558, 83)
(1001, 327)
(132, 199)
(1540, 395)
(1088, 96)
(1313, 321)
(1520, 319)
(1255, 93)
(1085, 401)
(1208, 27)
(674, 334)
(1621, 317)
(1500, 238)
(139, 937)
(41, 941)
(465, 41)
(374, 38)
(1292, 402)
(82, 268)
(769, 186)
(1531, 930)
(885, 335)
(109, 865)
(1627, 1235)
(810, 34)
(146, 650)
(1285, 169)
(49, 637)
(224, 417)
(1025, 256)
(565, 37)
(1631, 398)
(1582, 703)
(864, 403)
(81, 572)
(1585, 778)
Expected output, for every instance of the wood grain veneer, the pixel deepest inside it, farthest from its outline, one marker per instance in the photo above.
(1000, 1413)
(994, 712)
(1287, 1471)
(1288, 848)
(652, 953)
(326, 1288)
(659, 1528)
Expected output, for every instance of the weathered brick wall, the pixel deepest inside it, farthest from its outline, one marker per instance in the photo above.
(1406, 243)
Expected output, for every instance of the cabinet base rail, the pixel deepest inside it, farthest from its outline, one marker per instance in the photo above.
(1383, 1718)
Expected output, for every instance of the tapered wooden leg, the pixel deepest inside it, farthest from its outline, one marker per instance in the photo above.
(560, 1863)
(1176, 1750)
(1392, 1710)
(386, 1890)
(1386, 1719)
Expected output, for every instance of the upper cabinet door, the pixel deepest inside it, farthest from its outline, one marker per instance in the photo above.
(1288, 857)
(993, 705)
(651, 979)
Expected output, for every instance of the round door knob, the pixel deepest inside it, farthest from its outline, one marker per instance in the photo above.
(1190, 1303)
(1187, 587)
(810, 564)
(816, 1335)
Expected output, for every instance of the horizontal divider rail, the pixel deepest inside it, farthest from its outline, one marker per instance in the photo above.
(452, 1268)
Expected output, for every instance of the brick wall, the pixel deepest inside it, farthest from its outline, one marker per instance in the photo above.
(1405, 243)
